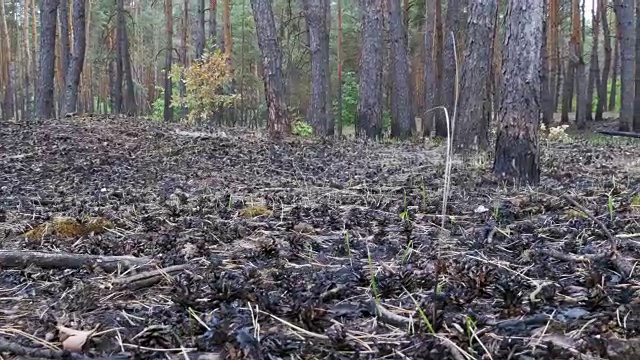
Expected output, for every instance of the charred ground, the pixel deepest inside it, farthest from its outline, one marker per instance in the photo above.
(287, 243)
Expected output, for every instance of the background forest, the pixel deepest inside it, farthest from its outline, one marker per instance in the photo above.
(133, 72)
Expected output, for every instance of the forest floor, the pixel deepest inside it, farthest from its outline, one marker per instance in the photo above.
(309, 249)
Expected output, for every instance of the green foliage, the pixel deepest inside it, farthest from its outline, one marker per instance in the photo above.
(158, 104)
(350, 102)
(301, 128)
(203, 81)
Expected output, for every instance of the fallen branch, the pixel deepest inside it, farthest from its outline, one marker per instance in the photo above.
(618, 133)
(149, 278)
(45, 260)
(42, 353)
(389, 317)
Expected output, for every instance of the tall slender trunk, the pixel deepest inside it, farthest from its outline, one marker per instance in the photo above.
(213, 25)
(624, 16)
(317, 14)
(636, 112)
(46, 72)
(168, 57)
(604, 79)
(77, 61)
(7, 64)
(450, 61)
(546, 99)
(339, 113)
(369, 117)
(594, 66)
(26, 48)
(429, 69)
(401, 107)
(615, 65)
(472, 126)
(200, 33)
(65, 49)
(279, 124)
(438, 53)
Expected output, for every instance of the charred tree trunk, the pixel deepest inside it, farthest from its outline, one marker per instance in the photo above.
(369, 117)
(517, 155)
(438, 55)
(553, 54)
(27, 58)
(577, 60)
(77, 61)
(624, 17)
(401, 108)
(46, 71)
(603, 85)
(546, 95)
(279, 124)
(594, 66)
(213, 25)
(317, 14)
(472, 125)
(168, 57)
(339, 114)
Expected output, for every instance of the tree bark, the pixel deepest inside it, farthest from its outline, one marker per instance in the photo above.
(319, 114)
(168, 87)
(636, 102)
(340, 55)
(517, 157)
(278, 122)
(472, 125)
(213, 25)
(200, 33)
(369, 117)
(594, 66)
(401, 107)
(546, 95)
(624, 17)
(429, 69)
(77, 61)
(65, 48)
(46, 72)
(615, 65)
(604, 79)
(450, 61)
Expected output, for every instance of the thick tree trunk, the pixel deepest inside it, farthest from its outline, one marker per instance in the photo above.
(567, 90)
(624, 16)
(319, 113)
(369, 117)
(279, 124)
(472, 125)
(77, 61)
(594, 66)
(401, 107)
(604, 79)
(517, 155)
(46, 72)
(429, 69)
(450, 61)
(168, 57)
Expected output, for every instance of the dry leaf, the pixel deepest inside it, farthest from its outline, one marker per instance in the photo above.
(76, 339)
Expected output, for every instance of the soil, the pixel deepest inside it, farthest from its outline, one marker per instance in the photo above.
(310, 249)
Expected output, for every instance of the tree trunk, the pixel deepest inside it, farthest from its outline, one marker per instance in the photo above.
(27, 59)
(496, 54)
(614, 73)
(7, 78)
(213, 25)
(46, 72)
(369, 117)
(624, 16)
(553, 54)
(594, 66)
(65, 48)
(472, 125)
(438, 55)
(401, 107)
(429, 69)
(546, 96)
(636, 111)
(517, 155)
(339, 114)
(450, 61)
(278, 122)
(200, 33)
(77, 61)
(168, 57)
(604, 79)
(319, 114)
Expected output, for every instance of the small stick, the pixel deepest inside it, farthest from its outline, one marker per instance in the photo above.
(612, 238)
